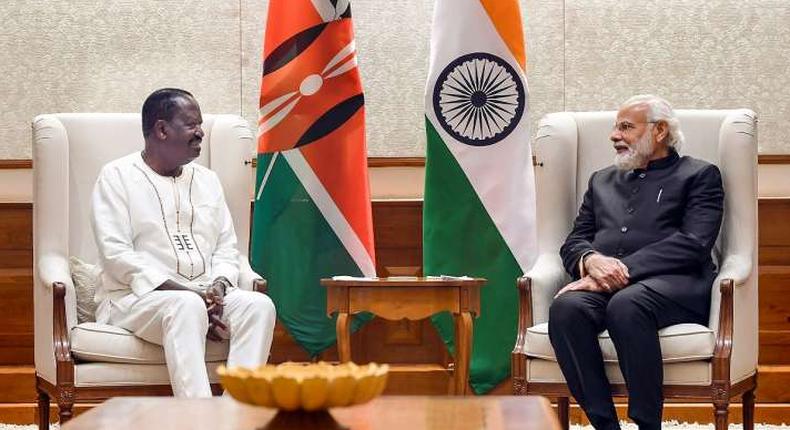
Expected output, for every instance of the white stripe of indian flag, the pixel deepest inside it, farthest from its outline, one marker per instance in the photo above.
(501, 174)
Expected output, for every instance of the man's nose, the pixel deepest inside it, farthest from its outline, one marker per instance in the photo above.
(616, 136)
(199, 132)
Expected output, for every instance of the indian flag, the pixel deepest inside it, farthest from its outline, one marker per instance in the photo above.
(312, 216)
(479, 213)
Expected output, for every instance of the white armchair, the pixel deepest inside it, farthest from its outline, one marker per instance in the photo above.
(713, 363)
(90, 361)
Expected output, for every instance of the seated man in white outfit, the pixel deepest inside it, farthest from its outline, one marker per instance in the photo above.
(168, 253)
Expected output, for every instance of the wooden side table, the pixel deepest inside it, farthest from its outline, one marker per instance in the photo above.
(408, 298)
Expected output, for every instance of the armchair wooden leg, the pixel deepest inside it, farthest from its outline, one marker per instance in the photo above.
(43, 410)
(748, 410)
(65, 404)
(563, 406)
(519, 386)
(721, 414)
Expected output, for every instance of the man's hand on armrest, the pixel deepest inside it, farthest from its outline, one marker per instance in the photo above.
(610, 273)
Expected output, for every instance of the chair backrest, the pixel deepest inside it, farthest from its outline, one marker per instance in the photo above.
(68, 152)
(701, 128)
(570, 146)
(93, 139)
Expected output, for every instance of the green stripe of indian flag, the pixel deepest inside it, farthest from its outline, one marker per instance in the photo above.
(501, 174)
(479, 214)
(459, 238)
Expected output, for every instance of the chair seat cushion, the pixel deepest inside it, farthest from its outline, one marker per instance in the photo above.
(105, 375)
(96, 342)
(679, 343)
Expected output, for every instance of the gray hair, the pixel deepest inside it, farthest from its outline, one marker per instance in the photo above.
(660, 110)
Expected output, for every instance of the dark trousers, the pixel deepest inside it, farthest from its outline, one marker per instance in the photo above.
(633, 317)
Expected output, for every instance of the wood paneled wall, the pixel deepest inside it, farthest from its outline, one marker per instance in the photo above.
(398, 235)
(16, 283)
(774, 260)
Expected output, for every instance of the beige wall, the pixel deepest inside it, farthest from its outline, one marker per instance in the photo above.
(583, 55)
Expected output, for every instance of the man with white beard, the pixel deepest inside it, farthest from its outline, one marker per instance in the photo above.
(640, 257)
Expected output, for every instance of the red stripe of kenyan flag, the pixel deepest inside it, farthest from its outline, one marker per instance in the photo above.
(315, 97)
(312, 213)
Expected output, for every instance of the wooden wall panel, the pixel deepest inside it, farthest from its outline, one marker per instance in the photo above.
(397, 231)
(16, 294)
(774, 232)
(398, 235)
(774, 315)
(16, 235)
(774, 260)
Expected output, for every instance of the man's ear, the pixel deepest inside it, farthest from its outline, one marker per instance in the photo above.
(661, 130)
(160, 129)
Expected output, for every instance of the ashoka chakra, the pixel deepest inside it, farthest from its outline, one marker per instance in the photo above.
(479, 99)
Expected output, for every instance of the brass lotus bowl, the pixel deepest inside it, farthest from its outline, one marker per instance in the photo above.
(307, 387)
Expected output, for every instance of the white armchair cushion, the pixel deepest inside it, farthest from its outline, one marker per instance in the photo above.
(679, 343)
(119, 375)
(685, 373)
(84, 276)
(109, 344)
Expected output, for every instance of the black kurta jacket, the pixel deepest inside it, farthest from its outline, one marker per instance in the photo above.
(662, 222)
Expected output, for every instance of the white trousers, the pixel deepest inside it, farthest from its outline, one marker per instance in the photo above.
(178, 321)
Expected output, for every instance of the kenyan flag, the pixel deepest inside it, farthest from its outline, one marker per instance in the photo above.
(479, 213)
(312, 208)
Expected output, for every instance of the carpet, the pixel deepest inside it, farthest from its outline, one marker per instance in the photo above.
(668, 425)
(674, 425)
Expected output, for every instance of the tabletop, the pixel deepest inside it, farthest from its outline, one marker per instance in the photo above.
(383, 413)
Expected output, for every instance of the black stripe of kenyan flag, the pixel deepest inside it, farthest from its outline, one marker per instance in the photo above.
(332, 119)
(291, 48)
(346, 13)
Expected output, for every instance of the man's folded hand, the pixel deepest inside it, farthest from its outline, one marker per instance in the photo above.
(215, 304)
(610, 273)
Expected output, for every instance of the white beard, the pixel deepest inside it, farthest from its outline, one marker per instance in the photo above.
(636, 156)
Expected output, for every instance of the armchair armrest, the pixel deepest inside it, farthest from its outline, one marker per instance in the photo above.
(736, 350)
(722, 351)
(64, 363)
(53, 269)
(737, 268)
(536, 290)
(248, 279)
(547, 276)
(260, 285)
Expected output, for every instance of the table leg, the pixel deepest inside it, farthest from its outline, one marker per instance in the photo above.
(463, 349)
(343, 337)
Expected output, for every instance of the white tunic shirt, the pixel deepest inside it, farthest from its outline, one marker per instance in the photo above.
(150, 228)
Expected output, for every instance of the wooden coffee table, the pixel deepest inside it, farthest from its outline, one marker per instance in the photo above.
(383, 413)
(409, 298)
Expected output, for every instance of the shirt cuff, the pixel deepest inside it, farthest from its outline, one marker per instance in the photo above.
(582, 270)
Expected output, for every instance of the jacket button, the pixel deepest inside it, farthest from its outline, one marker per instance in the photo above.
(630, 210)
(623, 229)
(635, 190)
(642, 175)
